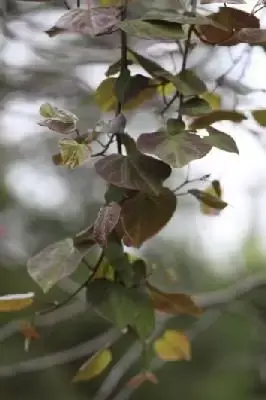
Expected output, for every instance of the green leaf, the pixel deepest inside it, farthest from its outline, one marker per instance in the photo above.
(116, 256)
(176, 150)
(260, 117)
(180, 18)
(139, 272)
(115, 68)
(150, 66)
(127, 86)
(94, 366)
(138, 172)
(143, 216)
(122, 306)
(208, 199)
(47, 111)
(221, 140)
(138, 92)
(188, 83)
(54, 263)
(72, 154)
(15, 302)
(161, 30)
(195, 107)
(215, 116)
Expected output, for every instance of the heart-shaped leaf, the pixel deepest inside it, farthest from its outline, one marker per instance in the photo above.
(161, 30)
(221, 140)
(142, 172)
(54, 263)
(176, 150)
(122, 306)
(72, 154)
(93, 22)
(143, 216)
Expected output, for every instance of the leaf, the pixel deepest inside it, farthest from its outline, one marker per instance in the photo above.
(54, 263)
(173, 303)
(94, 366)
(93, 22)
(127, 86)
(215, 116)
(195, 107)
(188, 83)
(141, 91)
(105, 271)
(252, 36)
(143, 216)
(105, 222)
(176, 150)
(214, 189)
(213, 99)
(137, 380)
(150, 66)
(232, 18)
(122, 306)
(15, 302)
(180, 18)
(173, 346)
(208, 199)
(161, 30)
(57, 119)
(72, 154)
(141, 173)
(221, 140)
(260, 117)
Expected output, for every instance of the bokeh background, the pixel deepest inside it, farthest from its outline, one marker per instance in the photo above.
(41, 203)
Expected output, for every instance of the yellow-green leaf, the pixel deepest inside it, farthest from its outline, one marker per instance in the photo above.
(15, 302)
(94, 366)
(260, 117)
(211, 202)
(72, 153)
(173, 346)
(213, 99)
(105, 96)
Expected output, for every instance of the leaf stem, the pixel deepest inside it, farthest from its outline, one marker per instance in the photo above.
(188, 181)
(82, 286)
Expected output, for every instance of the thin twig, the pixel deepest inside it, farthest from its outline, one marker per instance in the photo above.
(106, 147)
(73, 295)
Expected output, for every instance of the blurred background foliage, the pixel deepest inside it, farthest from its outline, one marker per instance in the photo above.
(229, 354)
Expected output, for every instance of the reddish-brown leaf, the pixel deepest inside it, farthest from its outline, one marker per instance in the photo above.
(137, 380)
(142, 216)
(105, 222)
(173, 303)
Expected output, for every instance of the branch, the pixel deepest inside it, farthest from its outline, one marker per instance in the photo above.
(61, 357)
(234, 292)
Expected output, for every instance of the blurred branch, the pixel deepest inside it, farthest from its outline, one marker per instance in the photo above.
(61, 357)
(234, 292)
